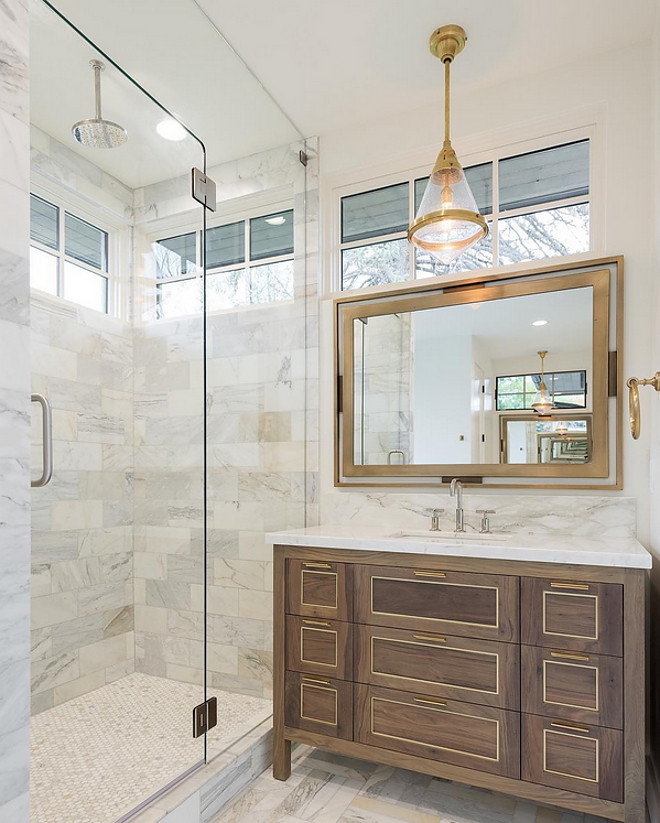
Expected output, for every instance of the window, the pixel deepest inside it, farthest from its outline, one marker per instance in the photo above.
(536, 205)
(68, 255)
(247, 262)
(517, 392)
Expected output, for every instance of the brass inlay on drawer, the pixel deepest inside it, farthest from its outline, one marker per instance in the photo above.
(593, 708)
(303, 572)
(444, 648)
(436, 638)
(304, 659)
(310, 565)
(316, 622)
(593, 740)
(438, 619)
(311, 684)
(435, 745)
(593, 597)
(429, 701)
(315, 680)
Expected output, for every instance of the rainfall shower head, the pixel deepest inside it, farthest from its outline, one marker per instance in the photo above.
(97, 133)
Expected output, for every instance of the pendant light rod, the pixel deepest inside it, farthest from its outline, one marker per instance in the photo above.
(447, 99)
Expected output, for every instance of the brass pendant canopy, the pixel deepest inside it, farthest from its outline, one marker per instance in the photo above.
(447, 221)
(543, 404)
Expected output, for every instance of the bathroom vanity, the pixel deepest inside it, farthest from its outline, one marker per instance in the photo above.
(513, 664)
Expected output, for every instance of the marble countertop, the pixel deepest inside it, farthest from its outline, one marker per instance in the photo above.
(534, 547)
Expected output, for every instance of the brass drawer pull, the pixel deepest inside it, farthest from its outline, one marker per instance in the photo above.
(317, 623)
(430, 574)
(571, 726)
(310, 565)
(570, 655)
(583, 587)
(436, 637)
(315, 680)
(429, 702)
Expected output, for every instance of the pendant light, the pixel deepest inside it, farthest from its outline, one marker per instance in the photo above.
(447, 221)
(543, 404)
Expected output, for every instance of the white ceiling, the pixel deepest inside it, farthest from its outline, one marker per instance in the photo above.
(329, 64)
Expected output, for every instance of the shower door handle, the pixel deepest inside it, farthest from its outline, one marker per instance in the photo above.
(47, 430)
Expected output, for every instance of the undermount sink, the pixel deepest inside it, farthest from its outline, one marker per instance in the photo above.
(440, 535)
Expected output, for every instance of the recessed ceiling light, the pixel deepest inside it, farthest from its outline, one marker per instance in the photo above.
(276, 220)
(171, 130)
(540, 323)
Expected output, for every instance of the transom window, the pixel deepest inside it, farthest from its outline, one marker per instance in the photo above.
(568, 390)
(536, 205)
(247, 262)
(68, 255)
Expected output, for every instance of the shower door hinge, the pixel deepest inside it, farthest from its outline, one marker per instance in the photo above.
(203, 189)
(304, 158)
(205, 716)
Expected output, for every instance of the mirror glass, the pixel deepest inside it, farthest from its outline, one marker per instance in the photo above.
(456, 384)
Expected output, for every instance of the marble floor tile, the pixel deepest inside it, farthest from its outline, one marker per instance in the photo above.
(329, 788)
(97, 756)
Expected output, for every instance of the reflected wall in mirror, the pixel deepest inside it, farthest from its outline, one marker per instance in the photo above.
(439, 383)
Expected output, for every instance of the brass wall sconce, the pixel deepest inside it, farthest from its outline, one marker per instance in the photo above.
(633, 400)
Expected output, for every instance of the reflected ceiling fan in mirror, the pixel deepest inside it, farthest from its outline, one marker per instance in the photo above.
(447, 222)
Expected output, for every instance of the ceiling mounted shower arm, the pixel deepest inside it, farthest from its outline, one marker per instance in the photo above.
(98, 67)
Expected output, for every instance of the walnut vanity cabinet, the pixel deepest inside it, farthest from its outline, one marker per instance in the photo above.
(526, 678)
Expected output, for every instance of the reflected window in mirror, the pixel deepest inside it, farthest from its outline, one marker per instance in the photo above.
(537, 205)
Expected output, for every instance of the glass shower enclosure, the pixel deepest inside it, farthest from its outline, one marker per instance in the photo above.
(118, 531)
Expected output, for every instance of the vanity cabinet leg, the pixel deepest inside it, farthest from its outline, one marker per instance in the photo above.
(281, 757)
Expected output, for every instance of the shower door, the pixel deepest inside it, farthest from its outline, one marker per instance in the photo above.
(118, 532)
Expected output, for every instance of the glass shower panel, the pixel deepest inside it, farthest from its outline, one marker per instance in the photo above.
(118, 535)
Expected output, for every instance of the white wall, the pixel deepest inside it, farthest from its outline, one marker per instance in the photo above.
(14, 414)
(613, 95)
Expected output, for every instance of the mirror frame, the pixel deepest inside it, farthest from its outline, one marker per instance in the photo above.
(604, 471)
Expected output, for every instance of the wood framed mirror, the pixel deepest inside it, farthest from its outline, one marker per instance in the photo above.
(436, 381)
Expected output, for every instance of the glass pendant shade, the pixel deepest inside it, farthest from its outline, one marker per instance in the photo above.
(447, 221)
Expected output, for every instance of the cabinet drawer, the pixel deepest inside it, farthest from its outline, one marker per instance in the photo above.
(585, 759)
(587, 688)
(319, 704)
(319, 646)
(477, 671)
(319, 589)
(575, 615)
(459, 603)
(463, 734)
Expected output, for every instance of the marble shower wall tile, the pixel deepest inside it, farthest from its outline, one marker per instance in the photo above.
(14, 414)
(516, 513)
(82, 562)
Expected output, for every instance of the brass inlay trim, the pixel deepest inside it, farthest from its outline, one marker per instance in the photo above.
(559, 585)
(321, 689)
(572, 726)
(593, 740)
(316, 622)
(304, 659)
(310, 565)
(593, 597)
(374, 671)
(570, 655)
(315, 680)
(595, 708)
(303, 602)
(494, 625)
(435, 745)
(430, 574)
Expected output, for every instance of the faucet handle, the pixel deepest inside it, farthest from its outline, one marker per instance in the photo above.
(435, 519)
(485, 519)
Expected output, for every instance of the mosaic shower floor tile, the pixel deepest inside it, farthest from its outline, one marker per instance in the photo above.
(96, 757)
